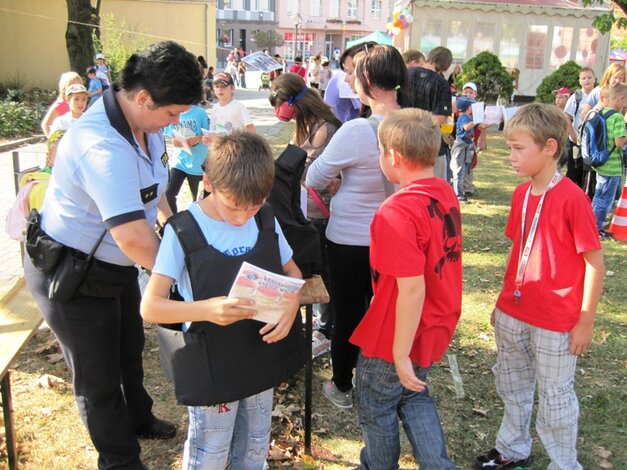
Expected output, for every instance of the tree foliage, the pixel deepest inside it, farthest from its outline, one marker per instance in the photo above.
(267, 39)
(82, 21)
(116, 44)
(565, 76)
(605, 22)
(490, 76)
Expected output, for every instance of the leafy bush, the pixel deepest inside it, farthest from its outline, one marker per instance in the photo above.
(490, 76)
(567, 75)
(116, 44)
(19, 119)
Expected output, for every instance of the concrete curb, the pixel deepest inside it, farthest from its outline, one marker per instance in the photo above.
(8, 146)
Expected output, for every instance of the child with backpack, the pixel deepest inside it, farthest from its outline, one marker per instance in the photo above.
(609, 172)
(544, 315)
(227, 381)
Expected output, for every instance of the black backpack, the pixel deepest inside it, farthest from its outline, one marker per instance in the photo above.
(285, 200)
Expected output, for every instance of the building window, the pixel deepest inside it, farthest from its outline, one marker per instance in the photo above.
(587, 47)
(483, 39)
(352, 9)
(457, 40)
(233, 4)
(334, 8)
(560, 49)
(292, 7)
(534, 50)
(263, 5)
(509, 47)
(224, 37)
(431, 35)
(314, 8)
(375, 9)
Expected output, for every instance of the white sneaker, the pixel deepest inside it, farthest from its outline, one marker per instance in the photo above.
(319, 344)
(342, 400)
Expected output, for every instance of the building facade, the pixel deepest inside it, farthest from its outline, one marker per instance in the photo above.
(310, 27)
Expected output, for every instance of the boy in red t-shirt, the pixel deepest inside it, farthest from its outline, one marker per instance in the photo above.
(545, 313)
(415, 257)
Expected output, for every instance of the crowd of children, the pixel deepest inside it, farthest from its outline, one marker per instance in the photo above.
(390, 225)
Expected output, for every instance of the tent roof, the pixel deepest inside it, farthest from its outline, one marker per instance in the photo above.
(551, 7)
(377, 36)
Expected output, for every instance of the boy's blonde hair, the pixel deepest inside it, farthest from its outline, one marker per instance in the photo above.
(542, 122)
(413, 134)
(604, 94)
(614, 91)
(241, 165)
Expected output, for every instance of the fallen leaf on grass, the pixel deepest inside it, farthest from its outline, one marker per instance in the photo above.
(50, 381)
(609, 273)
(48, 347)
(484, 337)
(480, 411)
(606, 464)
(601, 452)
(54, 358)
(481, 435)
(46, 411)
(283, 411)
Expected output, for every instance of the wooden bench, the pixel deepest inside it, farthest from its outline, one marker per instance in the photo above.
(313, 292)
(19, 320)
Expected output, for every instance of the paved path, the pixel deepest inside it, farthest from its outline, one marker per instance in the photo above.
(34, 155)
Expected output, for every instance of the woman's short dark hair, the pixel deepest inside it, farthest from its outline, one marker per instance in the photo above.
(167, 71)
(354, 50)
(383, 67)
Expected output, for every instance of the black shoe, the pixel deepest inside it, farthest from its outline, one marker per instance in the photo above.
(605, 235)
(493, 460)
(156, 429)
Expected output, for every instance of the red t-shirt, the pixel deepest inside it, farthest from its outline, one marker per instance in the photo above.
(552, 288)
(299, 69)
(61, 106)
(415, 232)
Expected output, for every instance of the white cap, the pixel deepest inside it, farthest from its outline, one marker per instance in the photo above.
(100, 55)
(470, 85)
(75, 88)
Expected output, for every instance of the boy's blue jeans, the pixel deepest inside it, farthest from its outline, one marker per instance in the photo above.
(381, 401)
(604, 194)
(236, 434)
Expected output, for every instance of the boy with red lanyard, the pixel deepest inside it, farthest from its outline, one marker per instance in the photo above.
(545, 313)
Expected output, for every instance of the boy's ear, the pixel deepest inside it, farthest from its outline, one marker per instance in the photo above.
(396, 157)
(550, 146)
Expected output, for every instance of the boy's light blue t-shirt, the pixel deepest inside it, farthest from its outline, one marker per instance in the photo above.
(191, 123)
(94, 85)
(228, 239)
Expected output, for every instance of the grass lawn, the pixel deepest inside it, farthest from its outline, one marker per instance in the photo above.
(51, 436)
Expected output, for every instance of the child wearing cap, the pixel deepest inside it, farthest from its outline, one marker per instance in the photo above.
(561, 97)
(469, 90)
(228, 114)
(463, 149)
(76, 97)
(102, 71)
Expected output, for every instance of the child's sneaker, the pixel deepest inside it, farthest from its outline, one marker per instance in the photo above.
(494, 460)
(342, 400)
(319, 344)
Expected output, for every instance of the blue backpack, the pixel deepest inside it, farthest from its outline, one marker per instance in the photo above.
(594, 151)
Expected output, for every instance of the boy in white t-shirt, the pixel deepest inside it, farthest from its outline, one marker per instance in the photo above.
(228, 114)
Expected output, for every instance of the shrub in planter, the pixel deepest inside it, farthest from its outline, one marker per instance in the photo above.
(488, 73)
(567, 75)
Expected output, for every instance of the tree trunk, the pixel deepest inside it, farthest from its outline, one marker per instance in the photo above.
(82, 18)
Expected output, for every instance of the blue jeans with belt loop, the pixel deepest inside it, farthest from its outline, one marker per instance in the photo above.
(382, 400)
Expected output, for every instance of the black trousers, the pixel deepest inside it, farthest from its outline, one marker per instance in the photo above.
(574, 166)
(102, 341)
(326, 312)
(351, 291)
(177, 177)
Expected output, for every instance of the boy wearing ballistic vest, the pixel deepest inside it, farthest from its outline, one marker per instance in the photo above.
(228, 381)
(545, 313)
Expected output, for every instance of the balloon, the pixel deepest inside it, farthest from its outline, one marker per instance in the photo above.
(409, 18)
(397, 15)
(397, 24)
(560, 52)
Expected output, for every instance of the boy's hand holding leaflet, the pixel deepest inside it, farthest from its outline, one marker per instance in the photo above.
(224, 311)
(208, 136)
(276, 298)
(181, 139)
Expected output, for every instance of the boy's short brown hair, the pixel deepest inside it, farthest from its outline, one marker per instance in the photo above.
(542, 122)
(412, 133)
(413, 55)
(241, 165)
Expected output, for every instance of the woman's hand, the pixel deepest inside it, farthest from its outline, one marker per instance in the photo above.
(334, 186)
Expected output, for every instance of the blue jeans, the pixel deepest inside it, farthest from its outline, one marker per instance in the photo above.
(381, 401)
(604, 194)
(235, 433)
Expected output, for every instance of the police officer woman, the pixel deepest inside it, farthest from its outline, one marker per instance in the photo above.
(110, 173)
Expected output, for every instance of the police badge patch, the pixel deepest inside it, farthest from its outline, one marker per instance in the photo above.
(165, 158)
